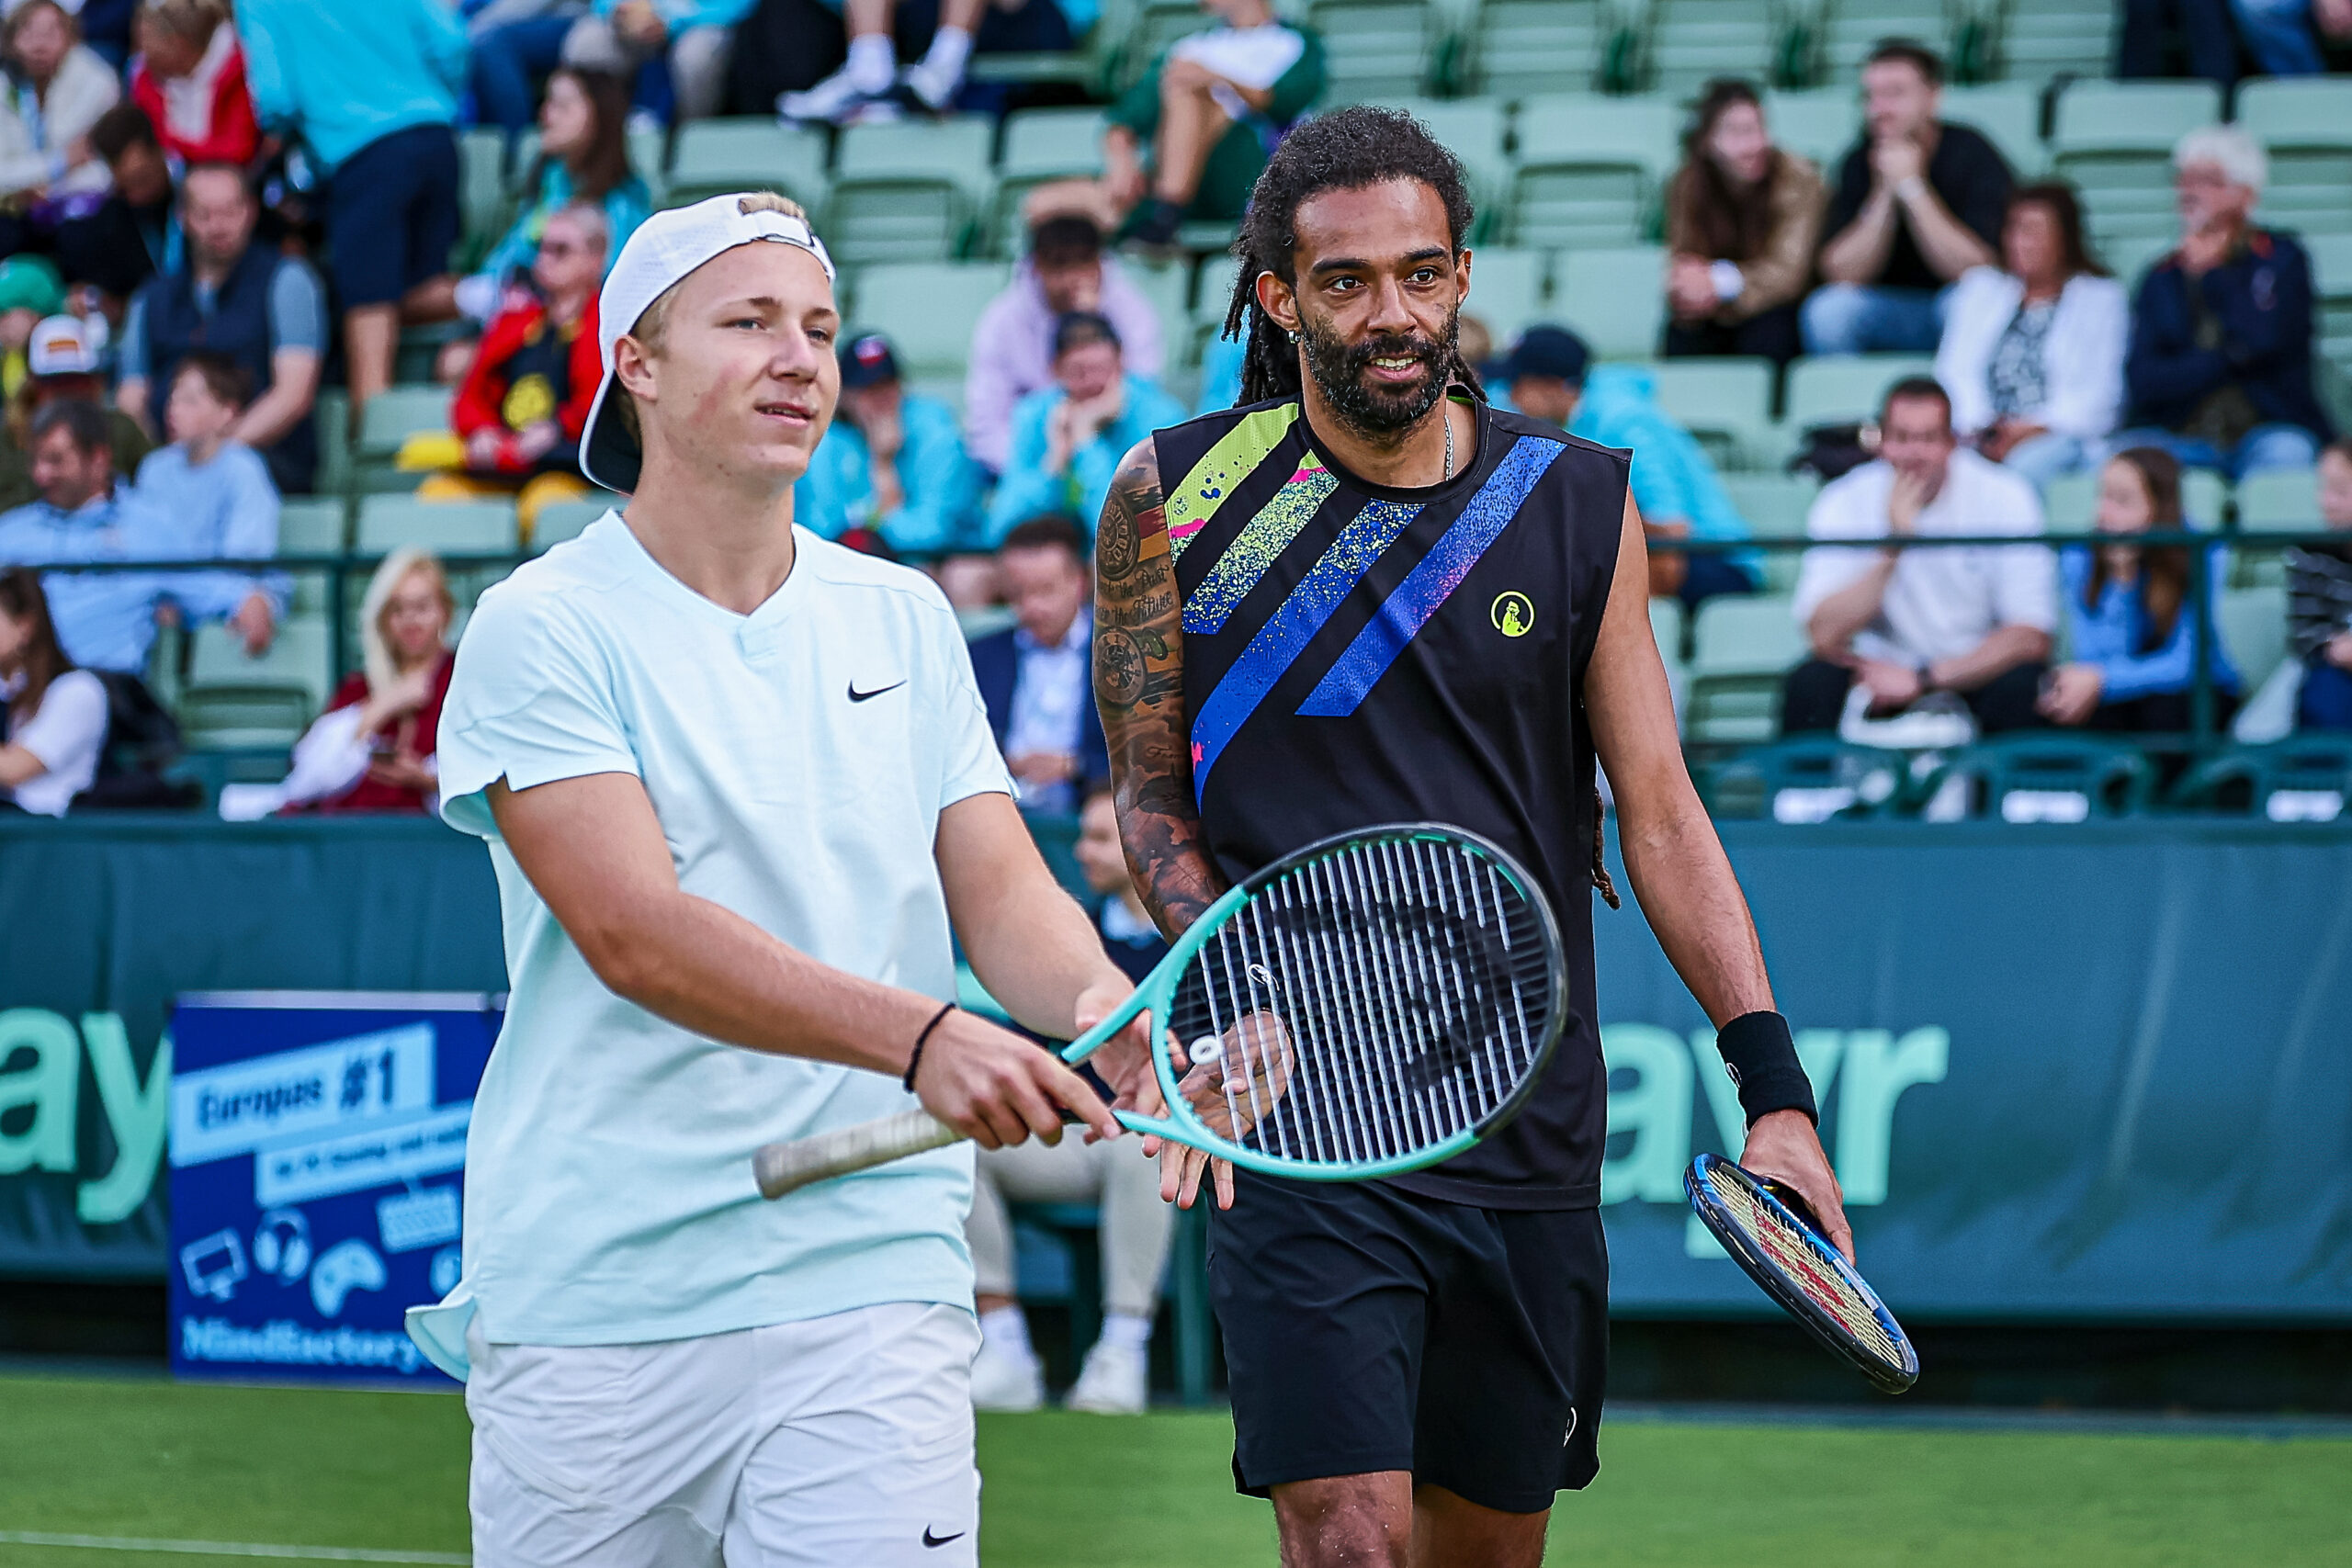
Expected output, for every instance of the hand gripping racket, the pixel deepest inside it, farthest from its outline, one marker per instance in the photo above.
(1771, 1232)
(1369, 1005)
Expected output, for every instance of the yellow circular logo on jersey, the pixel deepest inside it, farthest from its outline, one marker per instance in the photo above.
(1513, 613)
(530, 400)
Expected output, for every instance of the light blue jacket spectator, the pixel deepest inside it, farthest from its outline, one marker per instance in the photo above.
(1027, 491)
(1671, 475)
(106, 620)
(346, 72)
(227, 507)
(627, 205)
(2109, 635)
(943, 487)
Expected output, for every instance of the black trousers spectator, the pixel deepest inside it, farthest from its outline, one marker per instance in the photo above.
(1814, 698)
(2159, 713)
(2209, 39)
(1772, 334)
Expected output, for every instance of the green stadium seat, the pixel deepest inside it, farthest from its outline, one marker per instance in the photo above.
(2204, 495)
(1842, 389)
(648, 155)
(1587, 171)
(395, 414)
(331, 416)
(1517, 47)
(311, 525)
(1614, 299)
(2280, 500)
(1212, 289)
(2069, 504)
(1774, 506)
(483, 199)
(1727, 403)
(1474, 130)
(1377, 48)
(1810, 779)
(561, 520)
(2040, 40)
(2008, 115)
(1040, 146)
(928, 309)
(1684, 42)
(1154, 26)
(909, 190)
(2332, 283)
(1667, 629)
(232, 701)
(2305, 122)
(746, 153)
(1741, 649)
(388, 522)
(2254, 629)
(1820, 123)
(1168, 286)
(1508, 289)
(2048, 777)
(2114, 140)
(2306, 778)
(1847, 30)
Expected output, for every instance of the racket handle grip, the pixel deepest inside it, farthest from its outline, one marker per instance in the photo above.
(786, 1168)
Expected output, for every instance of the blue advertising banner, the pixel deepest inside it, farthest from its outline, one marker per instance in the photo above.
(318, 1147)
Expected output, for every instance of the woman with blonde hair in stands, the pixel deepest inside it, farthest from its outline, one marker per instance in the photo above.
(1741, 219)
(373, 749)
(52, 716)
(57, 88)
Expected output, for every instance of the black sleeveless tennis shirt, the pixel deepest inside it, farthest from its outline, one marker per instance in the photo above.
(1356, 654)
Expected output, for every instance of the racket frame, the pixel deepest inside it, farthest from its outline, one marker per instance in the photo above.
(1790, 1296)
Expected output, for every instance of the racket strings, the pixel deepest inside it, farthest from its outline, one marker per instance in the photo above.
(1793, 1251)
(1367, 1005)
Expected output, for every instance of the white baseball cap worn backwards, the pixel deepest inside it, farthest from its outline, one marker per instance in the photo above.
(665, 248)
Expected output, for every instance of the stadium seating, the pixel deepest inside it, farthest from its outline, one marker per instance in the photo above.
(561, 520)
(234, 702)
(1727, 403)
(2069, 504)
(2008, 115)
(1741, 648)
(2114, 140)
(396, 414)
(2049, 777)
(928, 309)
(908, 190)
(1587, 170)
(2254, 629)
(1517, 47)
(1684, 42)
(1614, 299)
(1819, 123)
(312, 527)
(648, 155)
(2305, 123)
(1474, 129)
(2306, 778)
(1376, 49)
(1508, 291)
(481, 186)
(2278, 501)
(1847, 30)
(2331, 279)
(387, 522)
(1844, 389)
(1774, 506)
(714, 156)
(2038, 41)
(1040, 145)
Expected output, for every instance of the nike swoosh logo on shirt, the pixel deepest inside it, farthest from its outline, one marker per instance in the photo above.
(857, 696)
(931, 1540)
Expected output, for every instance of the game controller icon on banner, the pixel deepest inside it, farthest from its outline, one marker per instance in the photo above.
(345, 1267)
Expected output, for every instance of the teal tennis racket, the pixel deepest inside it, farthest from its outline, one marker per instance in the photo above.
(1369, 1005)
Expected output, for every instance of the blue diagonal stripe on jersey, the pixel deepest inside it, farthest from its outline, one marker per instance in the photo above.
(1408, 609)
(1289, 628)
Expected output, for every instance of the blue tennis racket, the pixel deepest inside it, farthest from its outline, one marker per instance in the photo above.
(1773, 1232)
(1369, 1005)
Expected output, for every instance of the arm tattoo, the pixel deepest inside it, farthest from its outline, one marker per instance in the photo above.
(1139, 687)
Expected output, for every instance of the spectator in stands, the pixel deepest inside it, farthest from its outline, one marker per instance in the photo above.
(61, 365)
(217, 490)
(1012, 346)
(56, 90)
(2220, 367)
(2319, 602)
(965, 28)
(1672, 482)
(372, 750)
(52, 716)
(2207, 39)
(131, 236)
(108, 620)
(31, 292)
(1919, 202)
(1974, 620)
(1068, 438)
(515, 43)
(1136, 1225)
(2129, 615)
(1035, 677)
(190, 79)
(262, 308)
(372, 89)
(1742, 219)
(892, 462)
(1188, 138)
(2032, 352)
(619, 36)
(519, 413)
(2284, 36)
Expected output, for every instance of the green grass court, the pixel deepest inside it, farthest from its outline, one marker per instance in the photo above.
(386, 1472)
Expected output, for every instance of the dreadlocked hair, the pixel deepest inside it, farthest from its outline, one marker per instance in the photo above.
(1346, 150)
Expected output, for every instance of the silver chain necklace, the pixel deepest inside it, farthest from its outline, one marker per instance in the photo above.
(1446, 414)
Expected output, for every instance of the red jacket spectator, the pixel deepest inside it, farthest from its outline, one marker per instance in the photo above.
(531, 368)
(191, 82)
(411, 735)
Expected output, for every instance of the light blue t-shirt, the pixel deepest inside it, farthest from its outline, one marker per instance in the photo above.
(609, 1197)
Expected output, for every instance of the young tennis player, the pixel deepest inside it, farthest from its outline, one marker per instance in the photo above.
(1366, 597)
(738, 785)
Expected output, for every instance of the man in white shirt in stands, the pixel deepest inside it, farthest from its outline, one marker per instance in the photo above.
(1972, 620)
(737, 786)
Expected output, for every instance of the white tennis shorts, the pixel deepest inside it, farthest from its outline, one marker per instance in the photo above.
(841, 1440)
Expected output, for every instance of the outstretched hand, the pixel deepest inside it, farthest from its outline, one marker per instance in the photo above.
(1783, 1146)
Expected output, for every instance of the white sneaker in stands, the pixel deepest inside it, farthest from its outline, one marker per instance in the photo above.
(934, 84)
(1006, 1383)
(1115, 1381)
(828, 100)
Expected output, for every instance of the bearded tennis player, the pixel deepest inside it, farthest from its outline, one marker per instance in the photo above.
(738, 786)
(1364, 596)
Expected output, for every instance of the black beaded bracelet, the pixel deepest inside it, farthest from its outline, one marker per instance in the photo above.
(914, 1058)
(1762, 1060)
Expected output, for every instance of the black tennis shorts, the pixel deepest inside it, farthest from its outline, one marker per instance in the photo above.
(1368, 1330)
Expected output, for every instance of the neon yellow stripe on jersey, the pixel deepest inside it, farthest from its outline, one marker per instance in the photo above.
(1193, 502)
(1239, 567)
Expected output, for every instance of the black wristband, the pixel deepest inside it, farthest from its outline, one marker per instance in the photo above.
(914, 1058)
(1762, 1061)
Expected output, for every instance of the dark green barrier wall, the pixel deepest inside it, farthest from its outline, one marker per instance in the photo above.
(2098, 1071)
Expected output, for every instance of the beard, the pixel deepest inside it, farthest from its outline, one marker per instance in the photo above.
(1379, 412)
